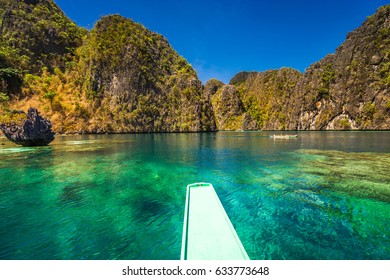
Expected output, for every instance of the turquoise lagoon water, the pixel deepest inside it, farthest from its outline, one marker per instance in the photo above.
(324, 195)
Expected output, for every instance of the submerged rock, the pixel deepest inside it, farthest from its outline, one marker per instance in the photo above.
(33, 131)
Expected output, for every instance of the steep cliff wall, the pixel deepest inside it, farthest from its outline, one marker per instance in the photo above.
(138, 83)
(120, 77)
(346, 90)
(350, 88)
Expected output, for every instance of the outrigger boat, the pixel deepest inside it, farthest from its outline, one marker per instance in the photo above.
(208, 233)
(284, 136)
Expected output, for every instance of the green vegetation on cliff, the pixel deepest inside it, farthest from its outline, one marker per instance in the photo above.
(35, 37)
(257, 100)
(346, 90)
(38, 34)
(351, 83)
(138, 83)
(121, 77)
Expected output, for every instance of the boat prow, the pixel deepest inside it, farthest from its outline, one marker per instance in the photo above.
(208, 233)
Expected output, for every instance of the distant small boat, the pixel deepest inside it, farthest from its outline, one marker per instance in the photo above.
(284, 136)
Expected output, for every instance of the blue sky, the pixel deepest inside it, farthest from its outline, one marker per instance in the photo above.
(221, 38)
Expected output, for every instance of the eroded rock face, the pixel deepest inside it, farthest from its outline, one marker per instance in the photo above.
(33, 131)
(347, 90)
(228, 108)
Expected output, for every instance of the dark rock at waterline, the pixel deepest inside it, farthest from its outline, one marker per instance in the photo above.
(33, 131)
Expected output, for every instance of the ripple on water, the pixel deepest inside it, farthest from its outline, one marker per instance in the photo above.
(16, 150)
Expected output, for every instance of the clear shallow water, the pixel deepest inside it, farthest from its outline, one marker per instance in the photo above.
(325, 195)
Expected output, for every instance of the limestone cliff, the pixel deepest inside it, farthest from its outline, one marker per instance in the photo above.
(36, 34)
(350, 88)
(138, 83)
(118, 78)
(269, 98)
(121, 77)
(346, 90)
